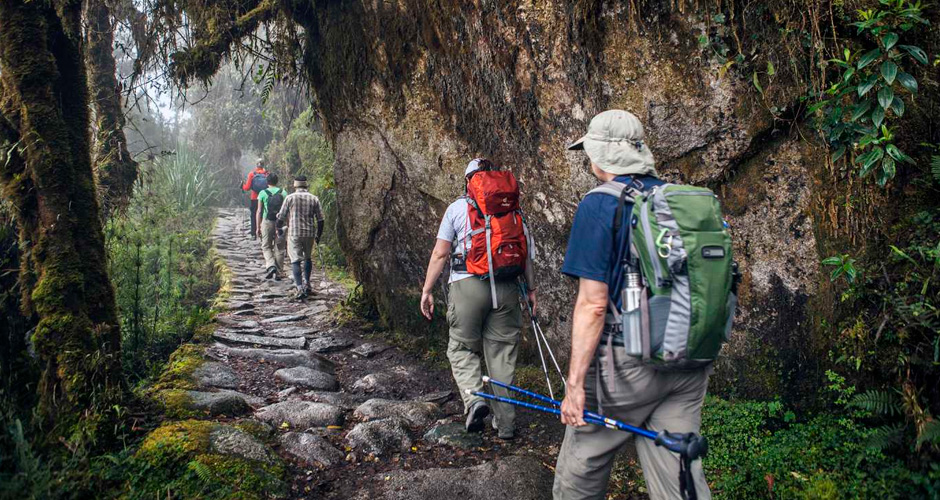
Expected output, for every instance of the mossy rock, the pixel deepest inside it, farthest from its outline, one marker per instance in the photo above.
(179, 371)
(179, 460)
(191, 404)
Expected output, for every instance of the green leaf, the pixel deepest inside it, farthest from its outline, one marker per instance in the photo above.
(832, 261)
(888, 171)
(770, 68)
(848, 74)
(897, 105)
(930, 433)
(860, 109)
(838, 153)
(866, 85)
(898, 155)
(885, 96)
(835, 273)
(889, 40)
(757, 83)
(889, 70)
(934, 167)
(908, 82)
(877, 402)
(869, 58)
(915, 52)
(869, 160)
(878, 116)
(816, 107)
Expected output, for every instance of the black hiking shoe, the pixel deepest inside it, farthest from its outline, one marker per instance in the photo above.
(272, 272)
(478, 411)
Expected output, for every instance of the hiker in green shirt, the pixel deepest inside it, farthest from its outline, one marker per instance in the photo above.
(270, 201)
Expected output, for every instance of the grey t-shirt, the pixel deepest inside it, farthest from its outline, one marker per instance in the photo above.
(454, 227)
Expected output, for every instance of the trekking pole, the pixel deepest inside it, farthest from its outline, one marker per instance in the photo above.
(689, 446)
(537, 331)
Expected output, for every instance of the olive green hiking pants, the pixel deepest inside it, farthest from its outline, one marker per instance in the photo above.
(643, 397)
(272, 247)
(479, 331)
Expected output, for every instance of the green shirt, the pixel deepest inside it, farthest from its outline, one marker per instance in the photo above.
(263, 199)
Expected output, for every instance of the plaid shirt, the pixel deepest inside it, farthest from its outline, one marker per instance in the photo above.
(302, 212)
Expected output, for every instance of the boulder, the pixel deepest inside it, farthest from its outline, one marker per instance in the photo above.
(380, 437)
(309, 378)
(415, 413)
(369, 349)
(392, 381)
(343, 400)
(179, 403)
(231, 441)
(300, 414)
(311, 449)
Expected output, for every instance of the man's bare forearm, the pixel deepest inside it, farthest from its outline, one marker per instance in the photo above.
(435, 268)
(585, 334)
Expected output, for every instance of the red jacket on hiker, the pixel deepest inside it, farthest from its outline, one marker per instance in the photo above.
(251, 175)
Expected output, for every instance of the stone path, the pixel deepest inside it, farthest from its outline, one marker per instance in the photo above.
(352, 415)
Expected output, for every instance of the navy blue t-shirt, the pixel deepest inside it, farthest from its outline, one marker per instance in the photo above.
(593, 251)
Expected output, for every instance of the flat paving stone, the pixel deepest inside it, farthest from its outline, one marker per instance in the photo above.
(291, 331)
(454, 434)
(416, 413)
(213, 374)
(245, 312)
(392, 381)
(290, 318)
(238, 338)
(286, 357)
(237, 324)
(369, 349)
(301, 414)
(228, 440)
(343, 400)
(308, 378)
(515, 477)
(329, 344)
(311, 449)
(239, 306)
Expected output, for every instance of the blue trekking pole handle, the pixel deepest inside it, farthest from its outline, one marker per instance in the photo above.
(609, 422)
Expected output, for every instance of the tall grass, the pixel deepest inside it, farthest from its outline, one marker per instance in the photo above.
(159, 259)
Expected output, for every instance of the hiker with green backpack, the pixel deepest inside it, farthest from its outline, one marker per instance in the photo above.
(270, 201)
(655, 303)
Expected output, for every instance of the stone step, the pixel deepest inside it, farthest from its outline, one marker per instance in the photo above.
(241, 338)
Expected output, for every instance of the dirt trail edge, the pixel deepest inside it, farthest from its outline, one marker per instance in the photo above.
(352, 416)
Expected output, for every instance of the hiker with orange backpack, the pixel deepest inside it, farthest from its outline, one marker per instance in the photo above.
(483, 234)
(256, 182)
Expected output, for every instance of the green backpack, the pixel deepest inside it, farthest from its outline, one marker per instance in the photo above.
(680, 282)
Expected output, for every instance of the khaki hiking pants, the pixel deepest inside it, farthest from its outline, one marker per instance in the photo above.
(271, 246)
(477, 329)
(643, 397)
(300, 248)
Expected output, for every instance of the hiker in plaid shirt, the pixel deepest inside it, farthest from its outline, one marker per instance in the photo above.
(301, 211)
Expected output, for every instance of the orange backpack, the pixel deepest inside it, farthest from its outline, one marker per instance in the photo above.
(498, 234)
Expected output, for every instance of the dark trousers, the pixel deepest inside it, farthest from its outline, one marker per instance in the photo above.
(254, 221)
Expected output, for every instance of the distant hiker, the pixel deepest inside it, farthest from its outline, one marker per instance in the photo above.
(256, 182)
(655, 375)
(270, 201)
(301, 211)
(484, 315)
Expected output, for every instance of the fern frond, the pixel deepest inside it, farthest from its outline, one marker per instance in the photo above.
(929, 433)
(201, 470)
(935, 167)
(877, 402)
(885, 436)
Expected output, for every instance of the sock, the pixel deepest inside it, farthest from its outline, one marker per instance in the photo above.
(297, 279)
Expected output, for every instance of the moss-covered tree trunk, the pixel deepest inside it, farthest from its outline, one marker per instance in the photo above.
(47, 176)
(116, 169)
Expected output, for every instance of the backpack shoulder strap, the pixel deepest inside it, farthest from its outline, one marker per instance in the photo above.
(611, 188)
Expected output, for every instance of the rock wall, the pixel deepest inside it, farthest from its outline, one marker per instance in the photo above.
(411, 91)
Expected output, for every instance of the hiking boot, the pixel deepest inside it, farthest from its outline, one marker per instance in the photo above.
(478, 411)
(272, 272)
(503, 433)
(277, 276)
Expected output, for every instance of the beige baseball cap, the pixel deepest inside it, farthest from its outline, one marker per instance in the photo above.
(615, 143)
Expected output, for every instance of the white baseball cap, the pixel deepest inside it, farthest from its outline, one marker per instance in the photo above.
(473, 166)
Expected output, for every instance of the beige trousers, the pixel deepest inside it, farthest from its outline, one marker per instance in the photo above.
(300, 248)
(479, 331)
(271, 246)
(643, 397)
